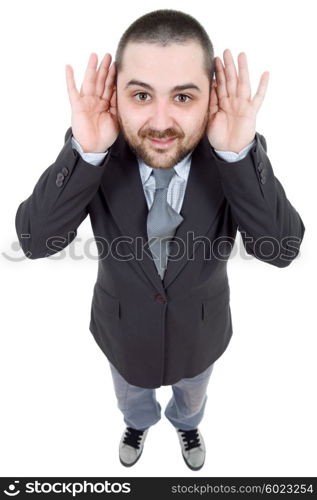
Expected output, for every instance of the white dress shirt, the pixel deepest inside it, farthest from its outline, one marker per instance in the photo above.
(177, 186)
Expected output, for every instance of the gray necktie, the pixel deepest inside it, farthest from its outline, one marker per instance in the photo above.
(162, 219)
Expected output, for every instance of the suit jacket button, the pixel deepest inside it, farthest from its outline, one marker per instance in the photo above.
(260, 166)
(59, 182)
(60, 176)
(263, 179)
(160, 299)
(65, 171)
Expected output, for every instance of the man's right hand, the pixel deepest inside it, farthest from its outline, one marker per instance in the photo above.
(94, 110)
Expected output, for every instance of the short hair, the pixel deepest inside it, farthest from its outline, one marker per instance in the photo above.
(165, 27)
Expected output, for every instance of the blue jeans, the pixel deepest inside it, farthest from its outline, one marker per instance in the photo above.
(184, 410)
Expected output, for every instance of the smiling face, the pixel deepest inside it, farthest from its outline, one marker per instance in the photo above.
(163, 94)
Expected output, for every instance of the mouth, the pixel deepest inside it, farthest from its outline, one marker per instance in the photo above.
(163, 142)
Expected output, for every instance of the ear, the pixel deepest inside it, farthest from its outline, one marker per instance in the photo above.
(213, 101)
(113, 101)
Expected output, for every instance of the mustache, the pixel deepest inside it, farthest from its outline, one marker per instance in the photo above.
(157, 134)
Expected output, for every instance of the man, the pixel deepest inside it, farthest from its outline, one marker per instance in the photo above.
(167, 162)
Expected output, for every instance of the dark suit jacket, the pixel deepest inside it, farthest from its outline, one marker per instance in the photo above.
(156, 332)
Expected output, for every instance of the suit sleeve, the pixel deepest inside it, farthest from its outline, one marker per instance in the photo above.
(47, 221)
(271, 228)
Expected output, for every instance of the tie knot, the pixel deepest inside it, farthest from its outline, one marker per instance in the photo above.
(163, 176)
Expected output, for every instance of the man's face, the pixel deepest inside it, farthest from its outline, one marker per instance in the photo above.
(150, 107)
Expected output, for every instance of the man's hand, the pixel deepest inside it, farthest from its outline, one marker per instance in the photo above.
(94, 110)
(232, 126)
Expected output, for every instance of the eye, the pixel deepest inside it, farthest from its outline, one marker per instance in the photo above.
(141, 94)
(183, 95)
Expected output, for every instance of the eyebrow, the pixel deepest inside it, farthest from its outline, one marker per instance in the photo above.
(185, 86)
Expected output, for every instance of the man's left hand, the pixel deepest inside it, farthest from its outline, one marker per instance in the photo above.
(232, 123)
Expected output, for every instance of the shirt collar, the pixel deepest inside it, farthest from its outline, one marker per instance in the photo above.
(181, 168)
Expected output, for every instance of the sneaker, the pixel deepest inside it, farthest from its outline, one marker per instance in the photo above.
(131, 446)
(193, 448)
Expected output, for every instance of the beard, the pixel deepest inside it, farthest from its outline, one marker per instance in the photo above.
(157, 157)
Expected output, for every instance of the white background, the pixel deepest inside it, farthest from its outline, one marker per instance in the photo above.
(59, 414)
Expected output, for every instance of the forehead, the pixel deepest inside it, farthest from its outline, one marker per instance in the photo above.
(155, 63)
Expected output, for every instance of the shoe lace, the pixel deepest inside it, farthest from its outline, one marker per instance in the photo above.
(132, 437)
(190, 438)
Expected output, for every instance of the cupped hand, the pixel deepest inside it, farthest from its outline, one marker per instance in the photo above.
(94, 109)
(232, 122)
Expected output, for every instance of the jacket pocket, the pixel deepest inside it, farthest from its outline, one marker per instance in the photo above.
(106, 302)
(215, 304)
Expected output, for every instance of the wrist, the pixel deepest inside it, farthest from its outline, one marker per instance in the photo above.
(79, 148)
(234, 149)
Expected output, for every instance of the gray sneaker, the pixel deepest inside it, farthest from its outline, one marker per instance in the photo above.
(131, 446)
(193, 448)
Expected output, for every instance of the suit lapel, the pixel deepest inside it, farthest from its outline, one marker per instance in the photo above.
(123, 191)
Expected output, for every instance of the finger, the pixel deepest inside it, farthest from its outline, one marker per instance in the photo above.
(109, 83)
(230, 72)
(102, 74)
(89, 83)
(243, 87)
(220, 78)
(261, 91)
(71, 86)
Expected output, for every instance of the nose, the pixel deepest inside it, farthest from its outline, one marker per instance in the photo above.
(161, 115)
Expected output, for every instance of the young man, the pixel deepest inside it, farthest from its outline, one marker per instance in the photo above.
(167, 162)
